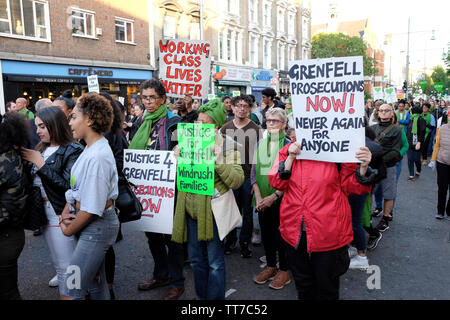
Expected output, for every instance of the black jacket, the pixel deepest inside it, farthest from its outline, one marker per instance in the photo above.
(55, 174)
(421, 129)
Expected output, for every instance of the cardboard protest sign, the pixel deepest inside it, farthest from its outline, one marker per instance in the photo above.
(195, 169)
(184, 67)
(236, 93)
(400, 94)
(153, 173)
(328, 107)
(378, 93)
(93, 83)
(390, 95)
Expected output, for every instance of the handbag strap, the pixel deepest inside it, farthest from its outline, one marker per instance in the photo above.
(384, 133)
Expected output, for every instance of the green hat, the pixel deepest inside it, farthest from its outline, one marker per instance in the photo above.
(216, 110)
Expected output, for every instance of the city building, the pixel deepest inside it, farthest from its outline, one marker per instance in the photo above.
(47, 47)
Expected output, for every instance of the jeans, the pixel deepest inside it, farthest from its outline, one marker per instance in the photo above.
(378, 194)
(243, 197)
(316, 275)
(269, 222)
(89, 256)
(207, 262)
(357, 203)
(61, 247)
(414, 158)
(12, 241)
(398, 168)
(168, 263)
(443, 180)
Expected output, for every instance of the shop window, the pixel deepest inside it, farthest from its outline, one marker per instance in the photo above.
(83, 23)
(124, 30)
(170, 27)
(25, 19)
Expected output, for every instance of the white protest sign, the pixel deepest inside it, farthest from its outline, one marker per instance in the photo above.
(378, 93)
(93, 83)
(211, 96)
(236, 93)
(122, 100)
(185, 67)
(390, 95)
(328, 107)
(153, 173)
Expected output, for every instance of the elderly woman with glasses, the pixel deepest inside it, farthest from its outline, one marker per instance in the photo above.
(267, 200)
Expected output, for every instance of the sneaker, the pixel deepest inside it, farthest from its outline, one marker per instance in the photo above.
(281, 279)
(265, 275)
(373, 241)
(230, 245)
(37, 232)
(352, 252)
(447, 218)
(389, 218)
(263, 259)
(53, 282)
(377, 212)
(418, 173)
(439, 216)
(245, 251)
(411, 178)
(256, 237)
(382, 225)
(359, 262)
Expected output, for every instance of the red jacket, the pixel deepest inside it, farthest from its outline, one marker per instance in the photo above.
(316, 191)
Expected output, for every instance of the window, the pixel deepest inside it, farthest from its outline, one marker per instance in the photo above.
(229, 45)
(281, 57)
(236, 47)
(305, 29)
(220, 46)
(170, 27)
(194, 33)
(253, 10)
(267, 56)
(281, 21)
(83, 23)
(124, 30)
(291, 24)
(252, 51)
(25, 19)
(291, 53)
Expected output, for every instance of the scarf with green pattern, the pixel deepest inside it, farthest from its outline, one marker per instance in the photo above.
(140, 139)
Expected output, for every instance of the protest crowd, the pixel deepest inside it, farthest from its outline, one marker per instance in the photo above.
(68, 155)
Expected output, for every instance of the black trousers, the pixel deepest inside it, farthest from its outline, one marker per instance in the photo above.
(168, 263)
(424, 147)
(316, 275)
(12, 241)
(269, 222)
(443, 181)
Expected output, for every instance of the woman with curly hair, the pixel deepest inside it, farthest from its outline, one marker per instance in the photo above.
(13, 135)
(90, 213)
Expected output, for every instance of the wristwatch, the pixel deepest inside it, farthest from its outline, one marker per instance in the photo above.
(277, 195)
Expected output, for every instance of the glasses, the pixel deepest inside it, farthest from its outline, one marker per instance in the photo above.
(274, 121)
(384, 110)
(242, 106)
(150, 98)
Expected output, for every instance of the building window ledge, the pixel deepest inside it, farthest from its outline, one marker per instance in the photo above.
(7, 35)
(85, 37)
(125, 42)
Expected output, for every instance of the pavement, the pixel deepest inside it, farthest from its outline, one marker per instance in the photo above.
(410, 262)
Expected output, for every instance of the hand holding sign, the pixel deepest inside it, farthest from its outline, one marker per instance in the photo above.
(365, 156)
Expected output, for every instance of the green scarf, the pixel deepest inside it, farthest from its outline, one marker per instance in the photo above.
(140, 139)
(427, 118)
(415, 118)
(264, 162)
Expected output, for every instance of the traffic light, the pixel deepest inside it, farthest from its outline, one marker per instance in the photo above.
(405, 85)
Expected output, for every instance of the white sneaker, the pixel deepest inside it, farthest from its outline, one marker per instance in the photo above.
(263, 259)
(359, 263)
(256, 237)
(352, 252)
(54, 282)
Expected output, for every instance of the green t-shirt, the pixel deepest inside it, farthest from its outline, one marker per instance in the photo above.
(27, 113)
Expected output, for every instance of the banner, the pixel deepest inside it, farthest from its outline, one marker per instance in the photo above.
(400, 94)
(195, 169)
(390, 95)
(378, 93)
(153, 173)
(184, 67)
(328, 107)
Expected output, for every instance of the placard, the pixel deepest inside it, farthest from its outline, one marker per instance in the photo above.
(390, 95)
(153, 172)
(378, 93)
(185, 67)
(93, 83)
(195, 168)
(328, 107)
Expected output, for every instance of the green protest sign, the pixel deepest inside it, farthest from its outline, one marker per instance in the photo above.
(423, 84)
(195, 168)
(439, 86)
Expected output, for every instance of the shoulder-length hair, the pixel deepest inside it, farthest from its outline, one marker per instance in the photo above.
(58, 128)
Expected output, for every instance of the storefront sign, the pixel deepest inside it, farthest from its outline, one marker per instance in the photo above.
(328, 107)
(233, 73)
(90, 72)
(263, 78)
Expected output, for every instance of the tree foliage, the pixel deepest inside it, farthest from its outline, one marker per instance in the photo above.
(327, 45)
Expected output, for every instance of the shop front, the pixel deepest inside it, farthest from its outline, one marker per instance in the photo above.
(228, 79)
(284, 83)
(34, 81)
(262, 79)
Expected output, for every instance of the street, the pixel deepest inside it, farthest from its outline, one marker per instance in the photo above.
(413, 258)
